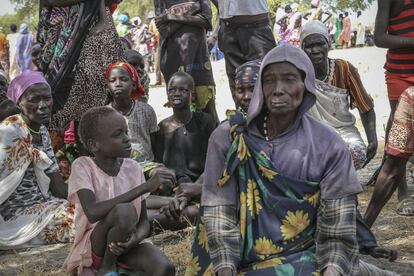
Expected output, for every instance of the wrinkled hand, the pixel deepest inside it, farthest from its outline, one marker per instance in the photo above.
(119, 248)
(161, 176)
(174, 209)
(371, 152)
(331, 271)
(383, 253)
(188, 190)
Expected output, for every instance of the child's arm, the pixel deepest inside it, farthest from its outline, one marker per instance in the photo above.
(96, 211)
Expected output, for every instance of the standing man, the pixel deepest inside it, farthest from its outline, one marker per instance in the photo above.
(394, 30)
(182, 26)
(243, 32)
(12, 44)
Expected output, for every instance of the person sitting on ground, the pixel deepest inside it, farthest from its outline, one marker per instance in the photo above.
(181, 145)
(271, 201)
(33, 205)
(125, 90)
(339, 88)
(246, 77)
(109, 192)
(245, 80)
(137, 61)
(182, 26)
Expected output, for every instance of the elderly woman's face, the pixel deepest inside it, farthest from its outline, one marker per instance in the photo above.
(36, 103)
(316, 47)
(283, 88)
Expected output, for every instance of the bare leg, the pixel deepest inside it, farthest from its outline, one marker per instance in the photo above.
(393, 107)
(148, 260)
(390, 176)
(117, 226)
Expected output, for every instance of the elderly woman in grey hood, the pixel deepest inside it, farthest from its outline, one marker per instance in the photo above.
(279, 189)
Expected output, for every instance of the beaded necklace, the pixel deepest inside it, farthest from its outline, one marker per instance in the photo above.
(330, 63)
(32, 131)
(265, 128)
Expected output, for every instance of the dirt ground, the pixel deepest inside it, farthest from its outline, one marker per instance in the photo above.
(391, 230)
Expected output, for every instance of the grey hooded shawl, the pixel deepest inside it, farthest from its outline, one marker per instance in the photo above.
(308, 150)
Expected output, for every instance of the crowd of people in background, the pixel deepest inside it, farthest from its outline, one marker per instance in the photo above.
(272, 189)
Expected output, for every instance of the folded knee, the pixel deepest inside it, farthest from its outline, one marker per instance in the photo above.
(124, 216)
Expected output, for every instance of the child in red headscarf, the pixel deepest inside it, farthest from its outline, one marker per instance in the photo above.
(125, 90)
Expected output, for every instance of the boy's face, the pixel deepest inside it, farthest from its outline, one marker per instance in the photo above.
(137, 62)
(179, 93)
(120, 84)
(112, 139)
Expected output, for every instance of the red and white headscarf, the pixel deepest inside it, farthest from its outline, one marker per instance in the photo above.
(139, 91)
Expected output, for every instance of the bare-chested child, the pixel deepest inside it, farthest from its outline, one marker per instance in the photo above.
(181, 145)
(109, 192)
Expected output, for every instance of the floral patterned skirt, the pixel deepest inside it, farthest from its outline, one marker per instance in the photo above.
(40, 224)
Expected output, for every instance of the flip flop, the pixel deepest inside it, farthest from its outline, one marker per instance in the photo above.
(406, 207)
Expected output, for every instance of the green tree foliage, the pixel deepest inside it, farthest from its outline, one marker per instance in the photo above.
(137, 7)
(142, 7)
(26, 11)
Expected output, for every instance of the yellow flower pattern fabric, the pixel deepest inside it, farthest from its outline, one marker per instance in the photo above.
(243, 212)
(193, 267)
(277, 214)
(253, 198)
(202, 238)
(294, 224)
(313, 198)
(265, 247)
